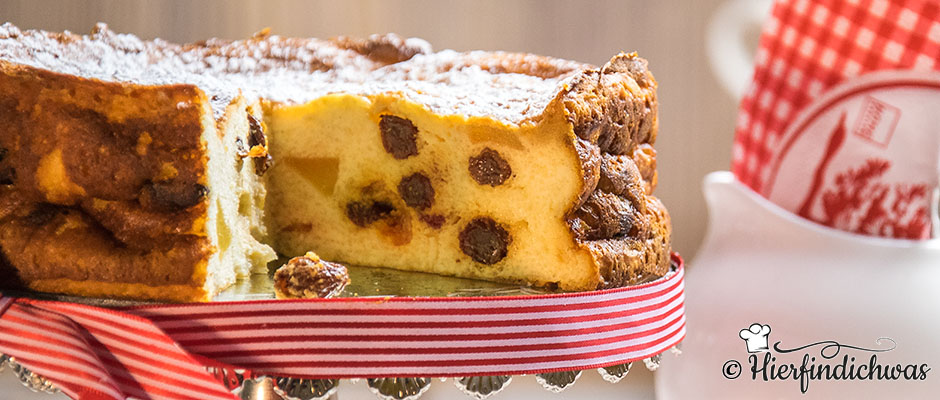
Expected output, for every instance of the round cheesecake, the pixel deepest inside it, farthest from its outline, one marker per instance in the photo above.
(151, 170)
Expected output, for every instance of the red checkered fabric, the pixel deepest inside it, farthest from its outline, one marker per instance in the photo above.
(808, 46)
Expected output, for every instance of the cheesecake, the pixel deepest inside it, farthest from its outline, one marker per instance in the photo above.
(152, 170)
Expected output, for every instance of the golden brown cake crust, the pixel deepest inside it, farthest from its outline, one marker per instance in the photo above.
(309, 277)
(614, 114)
(105, 182)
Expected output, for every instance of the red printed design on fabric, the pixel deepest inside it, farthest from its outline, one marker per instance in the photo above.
(861, 203)
(809, 46)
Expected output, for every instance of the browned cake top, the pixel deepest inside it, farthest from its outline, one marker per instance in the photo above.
(510, 87)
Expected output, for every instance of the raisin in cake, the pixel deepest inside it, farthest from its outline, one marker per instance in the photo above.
(143, 169)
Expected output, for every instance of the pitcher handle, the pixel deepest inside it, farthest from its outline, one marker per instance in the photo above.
(729, 54)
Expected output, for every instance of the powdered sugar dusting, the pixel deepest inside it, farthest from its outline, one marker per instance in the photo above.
(508, 87)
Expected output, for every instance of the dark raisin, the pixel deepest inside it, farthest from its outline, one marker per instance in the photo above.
(364, 213)
(256, 137)
(485, 241)
(172, 196)
(417, 191)
(263, 163)
(7, 175)
(255, 132)
(399, 136)
(489, 168)
(42, 214)
(3, 153)
(435, 221)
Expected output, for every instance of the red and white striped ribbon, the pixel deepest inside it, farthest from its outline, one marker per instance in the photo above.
(161, 351)
(95, 353)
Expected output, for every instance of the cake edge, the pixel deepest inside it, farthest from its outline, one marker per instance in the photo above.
(182, 224)
(616, 218)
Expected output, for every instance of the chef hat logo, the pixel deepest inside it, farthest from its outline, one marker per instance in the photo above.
(756, 337)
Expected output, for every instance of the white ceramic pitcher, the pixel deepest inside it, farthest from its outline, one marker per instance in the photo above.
(809, 283)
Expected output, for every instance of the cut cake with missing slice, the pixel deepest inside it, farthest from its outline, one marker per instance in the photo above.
(140, 169)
